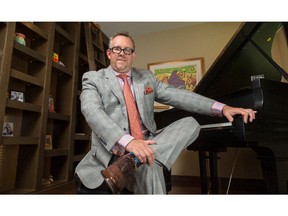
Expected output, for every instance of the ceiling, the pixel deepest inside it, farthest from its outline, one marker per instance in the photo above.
(138, 28)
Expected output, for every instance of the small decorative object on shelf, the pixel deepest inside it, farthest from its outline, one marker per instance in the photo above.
(51, 107)
(62, 64)
(17, 95)
(8, 129)
(48, 142)
(55, 57)
(47, 181)
(20, 38)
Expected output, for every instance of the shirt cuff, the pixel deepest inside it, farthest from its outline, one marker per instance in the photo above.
(217, 109)
(125, 140)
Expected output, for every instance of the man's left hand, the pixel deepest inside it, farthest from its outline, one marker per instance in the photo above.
(229, 112)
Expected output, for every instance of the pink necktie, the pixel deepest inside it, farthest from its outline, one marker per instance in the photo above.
(133, 115)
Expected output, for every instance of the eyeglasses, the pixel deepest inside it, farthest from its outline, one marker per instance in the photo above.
(118, 50)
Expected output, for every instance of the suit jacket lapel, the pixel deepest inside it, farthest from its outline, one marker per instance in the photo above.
(138, 87)
(114, 85)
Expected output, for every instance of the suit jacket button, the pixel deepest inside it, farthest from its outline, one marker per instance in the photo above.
(124, 129)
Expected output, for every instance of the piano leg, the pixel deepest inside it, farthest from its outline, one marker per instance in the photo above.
(275, 173)
(213, 172)
(274, 167)
(203, 171)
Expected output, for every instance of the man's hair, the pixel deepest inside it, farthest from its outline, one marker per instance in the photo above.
(125, 34)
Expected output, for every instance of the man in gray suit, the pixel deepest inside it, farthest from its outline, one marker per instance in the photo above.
(103, 105)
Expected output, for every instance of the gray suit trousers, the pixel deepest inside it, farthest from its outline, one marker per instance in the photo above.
(170, 142)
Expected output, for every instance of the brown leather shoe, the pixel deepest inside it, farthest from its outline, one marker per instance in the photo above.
(120, 173)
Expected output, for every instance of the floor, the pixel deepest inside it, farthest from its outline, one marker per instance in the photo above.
(185, 185)
(192, 185)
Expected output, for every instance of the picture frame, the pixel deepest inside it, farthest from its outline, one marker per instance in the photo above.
(8, 129)
(17, 96)
(182, 74)
(48, 142)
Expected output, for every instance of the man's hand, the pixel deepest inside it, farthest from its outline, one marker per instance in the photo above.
(142, 150)
(229, 112)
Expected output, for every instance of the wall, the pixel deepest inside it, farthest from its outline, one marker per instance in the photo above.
(202, 40)
(279, 51)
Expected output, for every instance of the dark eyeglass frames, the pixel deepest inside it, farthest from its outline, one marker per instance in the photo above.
(118, 50)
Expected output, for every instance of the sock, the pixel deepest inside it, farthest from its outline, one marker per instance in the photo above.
(135, 159)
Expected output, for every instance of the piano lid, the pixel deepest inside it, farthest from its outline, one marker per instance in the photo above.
(241, 59)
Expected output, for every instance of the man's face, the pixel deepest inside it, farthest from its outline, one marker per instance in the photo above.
(121, 62)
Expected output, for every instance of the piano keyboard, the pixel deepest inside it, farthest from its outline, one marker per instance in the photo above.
(224, 124)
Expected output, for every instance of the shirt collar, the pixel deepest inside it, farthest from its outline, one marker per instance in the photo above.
(129, 73)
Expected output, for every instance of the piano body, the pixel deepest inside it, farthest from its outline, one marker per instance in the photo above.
(247, 55)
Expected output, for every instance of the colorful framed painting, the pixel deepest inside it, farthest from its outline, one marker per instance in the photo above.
(182, 74)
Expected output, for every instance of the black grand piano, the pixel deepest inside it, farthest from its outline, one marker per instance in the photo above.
(245, 75)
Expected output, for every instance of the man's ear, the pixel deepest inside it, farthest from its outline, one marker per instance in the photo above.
(108, 53)
(134, 55)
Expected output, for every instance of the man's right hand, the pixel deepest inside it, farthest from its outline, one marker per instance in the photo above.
(142, 150)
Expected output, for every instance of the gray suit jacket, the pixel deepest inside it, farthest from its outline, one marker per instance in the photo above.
(103, 106)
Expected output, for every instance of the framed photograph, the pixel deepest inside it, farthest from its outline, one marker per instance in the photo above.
(8, 129)
(48, 142)
(182, 74)
(17, 95)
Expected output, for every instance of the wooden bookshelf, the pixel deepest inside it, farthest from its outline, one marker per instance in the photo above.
(25, 165)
